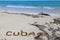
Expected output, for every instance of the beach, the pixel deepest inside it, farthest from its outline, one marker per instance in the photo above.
(15, 23)
(14, 19)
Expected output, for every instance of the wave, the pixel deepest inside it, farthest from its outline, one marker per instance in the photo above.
(44, 7)
(21, 6)
(48, 7)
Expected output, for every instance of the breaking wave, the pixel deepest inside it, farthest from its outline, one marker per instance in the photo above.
(21, 6)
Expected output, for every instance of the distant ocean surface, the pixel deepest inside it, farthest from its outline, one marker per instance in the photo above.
(31, 6)
(31, 3)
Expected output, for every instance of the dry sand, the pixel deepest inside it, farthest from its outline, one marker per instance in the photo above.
(15, 23)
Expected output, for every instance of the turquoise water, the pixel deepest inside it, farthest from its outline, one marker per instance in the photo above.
(31, 6)
(31, 3)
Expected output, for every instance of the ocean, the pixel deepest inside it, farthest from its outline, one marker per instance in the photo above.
(31, 6)
(31, 3)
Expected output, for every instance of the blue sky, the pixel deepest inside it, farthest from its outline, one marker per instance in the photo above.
(29, 0)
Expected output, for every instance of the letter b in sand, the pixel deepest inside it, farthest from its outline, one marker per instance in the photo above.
(23, 33)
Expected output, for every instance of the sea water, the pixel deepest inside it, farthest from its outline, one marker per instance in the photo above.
(31, 6)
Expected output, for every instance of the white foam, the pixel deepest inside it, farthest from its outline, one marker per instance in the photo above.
(48, 8)
(21, 6)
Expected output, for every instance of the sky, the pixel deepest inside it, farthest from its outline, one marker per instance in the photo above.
(29, 0)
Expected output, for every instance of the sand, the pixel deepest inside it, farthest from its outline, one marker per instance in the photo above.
(16, 23)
